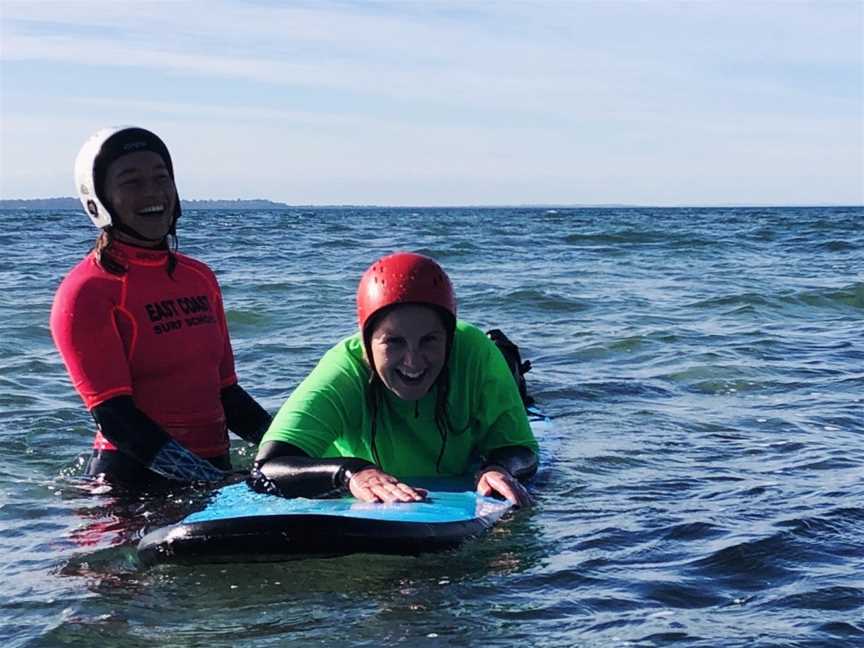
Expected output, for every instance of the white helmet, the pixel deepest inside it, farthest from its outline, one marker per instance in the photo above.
(102, 148)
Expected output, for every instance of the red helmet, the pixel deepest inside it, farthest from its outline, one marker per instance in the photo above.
(403, 278)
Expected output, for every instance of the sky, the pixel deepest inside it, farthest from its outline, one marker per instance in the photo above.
(447, 102)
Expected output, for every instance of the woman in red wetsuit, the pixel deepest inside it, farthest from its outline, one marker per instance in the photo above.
(141, 327)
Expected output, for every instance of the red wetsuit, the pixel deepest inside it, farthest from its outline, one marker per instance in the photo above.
(160, 339)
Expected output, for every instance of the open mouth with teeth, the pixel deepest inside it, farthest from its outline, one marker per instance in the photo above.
(153, 210)
(411, 377)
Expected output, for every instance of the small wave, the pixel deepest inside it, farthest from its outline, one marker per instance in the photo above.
(610, 539)
(615, 238)
(842, 629)
(830, 526)
(544, 301)
(662, 638)
(339, 243)
(834, 298)
(680, 596)
(611, 603)
(738, 299)
(834, 463)
(750, 564)
(837, 246)
(246, 318)
(613, 389)
(788, 447)
(337, 228)
(713, 379)
(600, 464)
(692, 531)
(826, 598)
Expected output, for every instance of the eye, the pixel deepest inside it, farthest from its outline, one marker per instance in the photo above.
(432, 339)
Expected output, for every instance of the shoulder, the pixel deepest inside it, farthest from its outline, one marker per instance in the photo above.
(337, 381)
(346, 357)
(197, 267)
(469, 332)
(476, 358)
(471, 339)
(192, 263)
(87, 278)
(340, 370)
(86, 295)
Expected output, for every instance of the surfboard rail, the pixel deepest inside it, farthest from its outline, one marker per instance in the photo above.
(265, 538)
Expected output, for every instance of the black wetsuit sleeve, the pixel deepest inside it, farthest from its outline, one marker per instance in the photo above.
(245, 417)
(519, 461)
(131, 430)
(284, 469)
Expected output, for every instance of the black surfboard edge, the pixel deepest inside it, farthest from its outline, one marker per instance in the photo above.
(291, 537)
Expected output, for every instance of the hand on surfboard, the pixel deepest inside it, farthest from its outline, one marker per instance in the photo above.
(502, 484)
(373, 485)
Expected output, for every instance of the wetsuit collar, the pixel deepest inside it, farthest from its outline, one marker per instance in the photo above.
(128, 254)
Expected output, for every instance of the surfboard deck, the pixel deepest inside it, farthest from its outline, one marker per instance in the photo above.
(240, 525)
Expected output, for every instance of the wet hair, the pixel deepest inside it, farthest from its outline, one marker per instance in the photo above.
(105, 241)
(375, 388)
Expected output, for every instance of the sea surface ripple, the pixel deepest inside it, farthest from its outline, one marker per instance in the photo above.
(703, 484)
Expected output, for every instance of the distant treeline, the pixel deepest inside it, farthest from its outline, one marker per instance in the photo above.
(74, 203)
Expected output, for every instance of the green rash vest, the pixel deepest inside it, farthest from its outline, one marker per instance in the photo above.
(328, 415)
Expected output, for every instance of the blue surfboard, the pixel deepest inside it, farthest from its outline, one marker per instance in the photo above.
(240, 525)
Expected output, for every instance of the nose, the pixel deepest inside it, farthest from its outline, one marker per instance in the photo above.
(412, 357)
(151, 187)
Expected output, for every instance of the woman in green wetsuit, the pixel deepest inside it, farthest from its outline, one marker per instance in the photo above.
(415, 393)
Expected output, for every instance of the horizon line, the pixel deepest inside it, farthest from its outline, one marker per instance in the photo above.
(610, 205)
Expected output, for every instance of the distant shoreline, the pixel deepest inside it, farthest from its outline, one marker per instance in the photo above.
(69, 203)
(66, 202)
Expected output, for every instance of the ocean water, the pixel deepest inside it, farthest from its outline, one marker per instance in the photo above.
(703, 484)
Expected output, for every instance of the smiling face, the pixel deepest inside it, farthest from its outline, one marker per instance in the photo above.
(142, 195)
(409, 348)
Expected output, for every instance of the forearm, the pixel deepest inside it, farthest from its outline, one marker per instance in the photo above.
(129, 429)
(245, 417)
(137, 435)
(284, 469)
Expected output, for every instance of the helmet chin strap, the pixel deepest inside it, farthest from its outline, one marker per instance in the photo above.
(129, 231)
